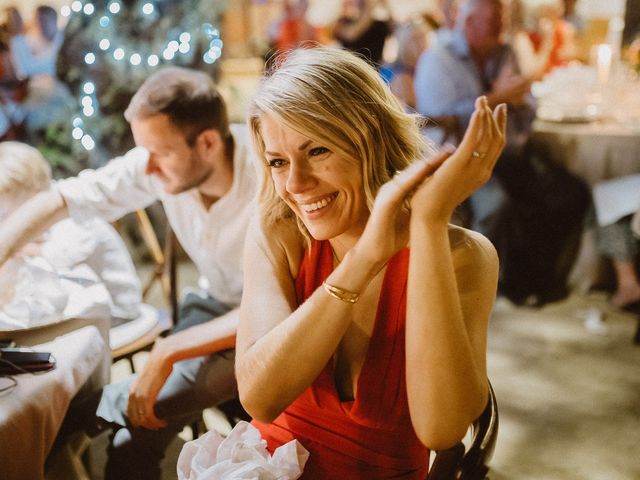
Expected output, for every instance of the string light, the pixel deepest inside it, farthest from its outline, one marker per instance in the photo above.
(88, 142)
(118, 53)
(117, 50)
(114, 7)
(77, 133)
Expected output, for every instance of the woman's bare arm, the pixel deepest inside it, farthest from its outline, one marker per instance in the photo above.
(280, 349)
(451, 289)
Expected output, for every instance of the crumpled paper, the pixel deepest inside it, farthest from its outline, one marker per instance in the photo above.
(40, 295)
(242, 455)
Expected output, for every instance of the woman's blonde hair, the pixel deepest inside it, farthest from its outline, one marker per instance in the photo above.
(23, 169)
(340, 101)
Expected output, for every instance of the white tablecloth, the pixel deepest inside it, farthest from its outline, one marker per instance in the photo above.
(596, 152)
(31, 414)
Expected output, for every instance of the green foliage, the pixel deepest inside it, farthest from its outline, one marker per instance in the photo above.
(116, 80)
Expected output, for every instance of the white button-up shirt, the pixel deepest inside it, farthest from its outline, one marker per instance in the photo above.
(212, 238)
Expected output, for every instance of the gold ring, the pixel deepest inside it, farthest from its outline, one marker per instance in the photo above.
(476, 154)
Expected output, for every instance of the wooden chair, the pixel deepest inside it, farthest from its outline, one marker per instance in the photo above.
(461, 463)
(165, 273)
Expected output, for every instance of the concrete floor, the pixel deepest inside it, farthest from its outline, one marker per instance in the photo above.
(568, 395)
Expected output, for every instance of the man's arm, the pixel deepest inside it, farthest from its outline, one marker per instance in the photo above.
(30, 221)
(213, 336)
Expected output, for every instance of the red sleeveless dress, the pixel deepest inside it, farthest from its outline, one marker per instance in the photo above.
(370, 437)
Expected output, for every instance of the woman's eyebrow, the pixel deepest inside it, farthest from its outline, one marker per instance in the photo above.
(301, 147)
(304, 145)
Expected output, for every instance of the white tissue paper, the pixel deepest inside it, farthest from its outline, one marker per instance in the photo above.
(242, 455)
(42, 296)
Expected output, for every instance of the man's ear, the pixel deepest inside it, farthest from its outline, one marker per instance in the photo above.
(210, 141)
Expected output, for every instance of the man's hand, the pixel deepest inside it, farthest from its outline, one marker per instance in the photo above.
(145, 388)
(204, 339)
(509, 87)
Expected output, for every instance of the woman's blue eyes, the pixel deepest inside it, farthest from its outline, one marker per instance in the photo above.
(276, 163)
(314, 152)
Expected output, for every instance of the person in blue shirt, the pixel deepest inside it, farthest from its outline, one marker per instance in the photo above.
(517, 209)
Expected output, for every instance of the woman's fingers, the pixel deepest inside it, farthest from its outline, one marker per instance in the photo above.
(475, 134)
(409, 178)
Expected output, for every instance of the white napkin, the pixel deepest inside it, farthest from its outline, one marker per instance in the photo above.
(44, 295)
(616, 198)
(242, 455)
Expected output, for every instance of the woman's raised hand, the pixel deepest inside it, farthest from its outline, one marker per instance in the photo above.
(435, 186)
(466, 169)
(387, 229)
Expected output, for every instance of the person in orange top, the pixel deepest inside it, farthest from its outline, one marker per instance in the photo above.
(562, 35)
(292, 29)
(364, 315)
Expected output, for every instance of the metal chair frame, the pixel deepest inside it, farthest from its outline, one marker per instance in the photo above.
(460, 463)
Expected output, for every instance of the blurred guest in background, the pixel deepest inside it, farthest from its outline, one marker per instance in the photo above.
(532, 61)
(34, 52)
(411, 39)
(362, 29)
(12, 88)
(548, 20)
(519, 209)
(617, 243)
(292, 29)
(448, 11)
(572, 16)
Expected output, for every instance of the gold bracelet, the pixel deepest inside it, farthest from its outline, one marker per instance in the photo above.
(341, 293)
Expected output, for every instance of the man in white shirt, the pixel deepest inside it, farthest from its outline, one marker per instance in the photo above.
(200, 168)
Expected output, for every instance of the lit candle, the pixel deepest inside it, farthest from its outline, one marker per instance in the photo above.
(604, 57)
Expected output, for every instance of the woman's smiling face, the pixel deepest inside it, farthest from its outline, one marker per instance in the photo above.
(323, 188)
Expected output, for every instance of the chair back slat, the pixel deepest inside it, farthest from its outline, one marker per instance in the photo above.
(457, 464)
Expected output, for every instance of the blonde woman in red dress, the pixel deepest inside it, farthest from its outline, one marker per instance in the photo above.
(364, 312)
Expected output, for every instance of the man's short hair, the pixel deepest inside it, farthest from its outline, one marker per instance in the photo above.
(188, 97)
(23, 169)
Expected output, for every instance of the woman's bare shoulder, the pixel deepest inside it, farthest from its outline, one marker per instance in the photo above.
(278, 241)
(470, 245)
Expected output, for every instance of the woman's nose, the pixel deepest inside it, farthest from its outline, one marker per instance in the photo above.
(300, 178)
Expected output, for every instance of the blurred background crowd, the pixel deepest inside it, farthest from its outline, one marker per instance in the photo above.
(68, 69)
(562, 205)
